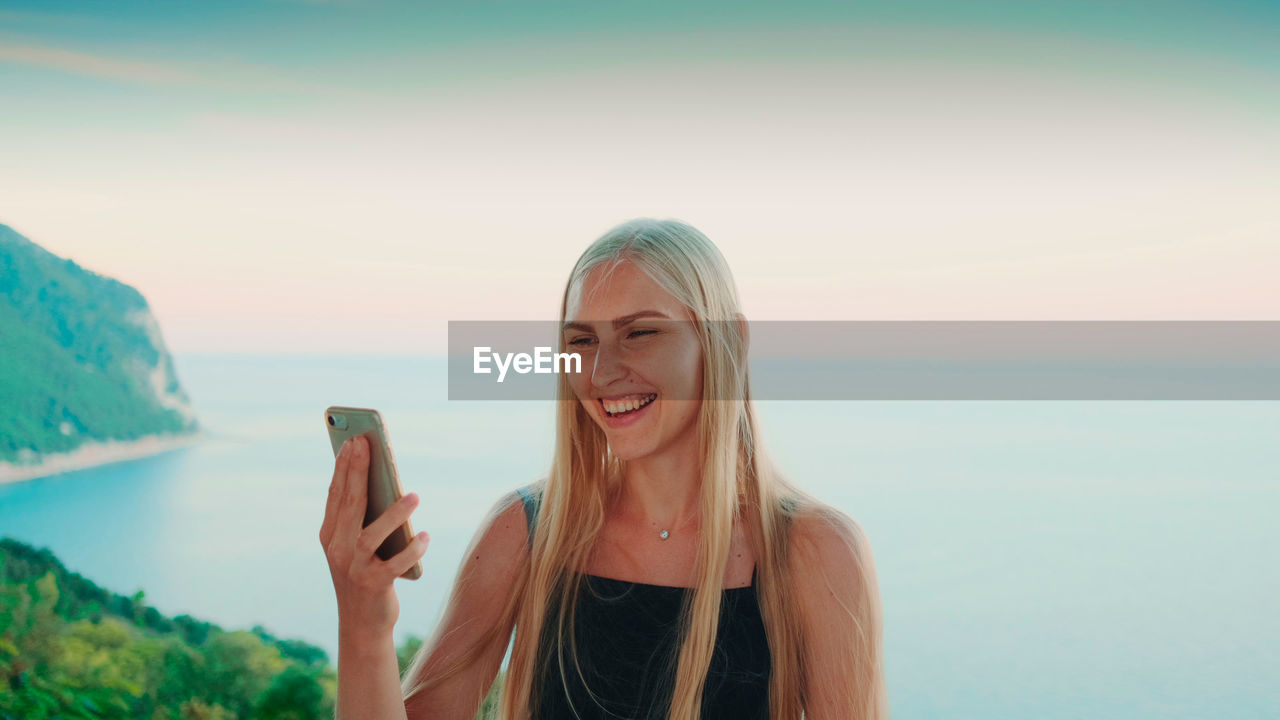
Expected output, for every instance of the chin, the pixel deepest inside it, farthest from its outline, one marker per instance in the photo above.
(628, 448)
(628, 454)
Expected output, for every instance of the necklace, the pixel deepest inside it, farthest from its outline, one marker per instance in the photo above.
(666, 533)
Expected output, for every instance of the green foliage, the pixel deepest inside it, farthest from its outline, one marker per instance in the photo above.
(297, 693)
(406, 652)
(74, 355)
(239, 668)
(81, 598)
(197, 710)
(489, 707)
(70, 649)
(304, 653)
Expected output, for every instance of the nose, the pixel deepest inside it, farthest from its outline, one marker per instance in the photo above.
(607, 366)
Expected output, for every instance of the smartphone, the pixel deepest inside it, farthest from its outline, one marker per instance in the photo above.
(384, 481)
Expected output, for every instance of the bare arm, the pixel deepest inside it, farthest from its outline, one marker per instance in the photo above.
(368, 677)
(841, 621)
(478, 619)
(474, 632)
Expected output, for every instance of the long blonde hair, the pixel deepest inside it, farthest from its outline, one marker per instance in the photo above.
(739, 484)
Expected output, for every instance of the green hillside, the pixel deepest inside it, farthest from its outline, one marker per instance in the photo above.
(71, 649)
(81, 358)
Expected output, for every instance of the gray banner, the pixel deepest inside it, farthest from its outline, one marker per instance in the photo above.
(893, 360)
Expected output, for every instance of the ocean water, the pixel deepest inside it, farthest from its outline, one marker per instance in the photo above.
(1035, 559)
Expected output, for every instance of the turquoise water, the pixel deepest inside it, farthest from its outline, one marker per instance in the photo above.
(1036, 559)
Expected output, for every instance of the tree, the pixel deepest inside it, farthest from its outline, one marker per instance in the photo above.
(239, 667)
(199, 710)
(295, 694)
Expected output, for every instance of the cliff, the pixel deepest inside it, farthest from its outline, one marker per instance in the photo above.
(82, 361)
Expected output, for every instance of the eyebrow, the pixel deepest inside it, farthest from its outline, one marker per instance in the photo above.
(616, 323)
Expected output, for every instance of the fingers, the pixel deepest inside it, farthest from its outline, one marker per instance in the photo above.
(372, 537)
(400, 563)
(336, 491)
(355, 489)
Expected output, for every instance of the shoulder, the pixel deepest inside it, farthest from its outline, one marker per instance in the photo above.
(508, 507)
(828, 549)
(506, 520)
(501, 542)
(833, 579)
(838, 608)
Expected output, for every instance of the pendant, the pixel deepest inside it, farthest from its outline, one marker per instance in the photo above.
(663, 534)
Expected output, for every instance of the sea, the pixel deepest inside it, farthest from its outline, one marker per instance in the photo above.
(1036, 559)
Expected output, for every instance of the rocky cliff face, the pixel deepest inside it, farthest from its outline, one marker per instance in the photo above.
(81, 359)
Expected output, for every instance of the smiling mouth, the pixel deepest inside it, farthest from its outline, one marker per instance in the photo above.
(627, 405)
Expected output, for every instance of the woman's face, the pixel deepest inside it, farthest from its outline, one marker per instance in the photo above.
(650, 360)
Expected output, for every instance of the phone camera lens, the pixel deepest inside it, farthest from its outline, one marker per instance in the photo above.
(330, 419)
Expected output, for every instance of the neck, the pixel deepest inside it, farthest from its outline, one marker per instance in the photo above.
(661, 491)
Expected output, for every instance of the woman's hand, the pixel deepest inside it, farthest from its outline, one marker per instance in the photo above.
(364, 583)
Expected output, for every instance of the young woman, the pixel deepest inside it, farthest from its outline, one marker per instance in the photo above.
(663, 569)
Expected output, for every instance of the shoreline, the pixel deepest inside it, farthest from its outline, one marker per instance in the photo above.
(96, 453)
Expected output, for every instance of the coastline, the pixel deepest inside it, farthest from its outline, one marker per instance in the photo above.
(95, 453)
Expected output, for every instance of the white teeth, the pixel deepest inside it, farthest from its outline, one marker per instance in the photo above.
(627, 404)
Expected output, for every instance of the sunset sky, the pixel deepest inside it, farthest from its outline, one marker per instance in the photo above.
(349, 176)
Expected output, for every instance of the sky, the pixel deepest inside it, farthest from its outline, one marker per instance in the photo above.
(349, 176)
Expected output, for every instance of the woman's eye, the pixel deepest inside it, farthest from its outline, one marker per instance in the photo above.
(583, 341)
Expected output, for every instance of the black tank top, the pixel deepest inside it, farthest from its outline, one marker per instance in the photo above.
(626, 639)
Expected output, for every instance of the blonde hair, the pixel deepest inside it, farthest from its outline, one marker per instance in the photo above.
(739, 484)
